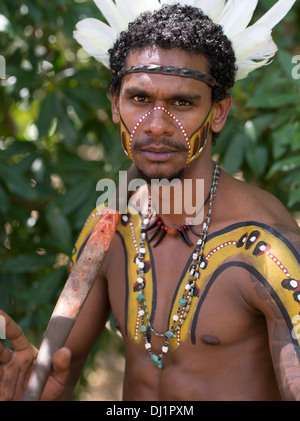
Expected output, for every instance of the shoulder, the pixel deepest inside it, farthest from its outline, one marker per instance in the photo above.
(265, 236)
(241, 201)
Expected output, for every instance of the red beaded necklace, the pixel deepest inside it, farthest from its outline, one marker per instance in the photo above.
(163, 230)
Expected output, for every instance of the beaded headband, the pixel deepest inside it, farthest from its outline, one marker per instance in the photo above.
(170, 71)
(253, 45)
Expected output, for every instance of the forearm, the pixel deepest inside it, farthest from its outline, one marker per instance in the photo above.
(288, 374)
(76, 367)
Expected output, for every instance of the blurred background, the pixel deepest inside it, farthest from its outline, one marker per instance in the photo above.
(57, 140)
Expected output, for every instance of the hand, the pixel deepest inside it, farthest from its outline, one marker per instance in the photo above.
(15, 366)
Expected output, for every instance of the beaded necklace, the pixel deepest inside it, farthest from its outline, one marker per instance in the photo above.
(146, 327)
(163, 230)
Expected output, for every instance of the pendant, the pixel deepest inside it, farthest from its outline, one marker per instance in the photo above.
(156, 361)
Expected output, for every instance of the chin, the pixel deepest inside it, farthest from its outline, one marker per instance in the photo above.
(160, 175)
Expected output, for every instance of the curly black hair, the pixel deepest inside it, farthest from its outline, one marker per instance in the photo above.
(180, 27)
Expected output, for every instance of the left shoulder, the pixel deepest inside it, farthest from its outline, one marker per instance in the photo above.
(251, 203)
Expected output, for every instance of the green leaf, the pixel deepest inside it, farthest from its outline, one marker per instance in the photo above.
(20, 148)
(294, 196)
(285, 165)
(274, 101)
(66, 126)
(284, 138)
(4, 202)
(234, 154)
(47, 287)
(60, 228)
(257, 158)
(76, 196)
(46, 114)
(27, 262)
(17, 183)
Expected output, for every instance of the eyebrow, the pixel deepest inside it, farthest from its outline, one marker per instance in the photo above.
(133, 91)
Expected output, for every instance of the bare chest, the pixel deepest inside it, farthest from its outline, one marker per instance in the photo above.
(212, 312)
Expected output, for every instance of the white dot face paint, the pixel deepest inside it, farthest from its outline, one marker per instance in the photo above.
(148, 114)
(195, 144)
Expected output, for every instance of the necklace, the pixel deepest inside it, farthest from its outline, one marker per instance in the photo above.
(163, 229)
(178, 319)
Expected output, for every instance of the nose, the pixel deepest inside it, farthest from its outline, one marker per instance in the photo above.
(158, 123)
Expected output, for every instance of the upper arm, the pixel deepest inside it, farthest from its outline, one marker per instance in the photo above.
(277, 296)
(88, 327)
(94, 314)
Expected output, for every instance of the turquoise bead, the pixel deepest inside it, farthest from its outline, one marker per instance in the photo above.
(143, 329)
(156, 361)
(140, 297)
(182, 302)
(169, 334)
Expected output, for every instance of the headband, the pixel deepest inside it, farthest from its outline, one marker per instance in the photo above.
(253, 45)
(170, 71)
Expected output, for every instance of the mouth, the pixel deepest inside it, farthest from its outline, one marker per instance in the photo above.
(158, 154)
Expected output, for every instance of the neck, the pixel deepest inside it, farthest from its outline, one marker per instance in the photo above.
(183, 200)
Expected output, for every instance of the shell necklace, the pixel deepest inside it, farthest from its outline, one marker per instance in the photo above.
(184, 303)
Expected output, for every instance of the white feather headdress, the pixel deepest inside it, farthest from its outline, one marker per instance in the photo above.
(253, 45)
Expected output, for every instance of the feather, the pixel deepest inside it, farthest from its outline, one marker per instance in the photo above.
(250, 41)
(111, 13)
(133, 8)
(247, 66)
(254, 48)
(95, 37)
(236, 16)
(276, 13)
(213, 8)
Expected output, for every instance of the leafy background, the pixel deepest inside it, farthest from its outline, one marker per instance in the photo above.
(57, 140)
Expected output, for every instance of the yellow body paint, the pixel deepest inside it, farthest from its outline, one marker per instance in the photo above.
(254, 247)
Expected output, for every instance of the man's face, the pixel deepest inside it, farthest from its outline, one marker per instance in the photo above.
(161, 112)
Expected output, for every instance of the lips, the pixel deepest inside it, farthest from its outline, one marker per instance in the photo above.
(158, 154)
(160, 149)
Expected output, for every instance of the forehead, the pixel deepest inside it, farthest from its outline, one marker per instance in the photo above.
(163, 57)
(159, 56)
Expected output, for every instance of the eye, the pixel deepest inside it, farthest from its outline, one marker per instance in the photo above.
(181, 103)
(140, 98)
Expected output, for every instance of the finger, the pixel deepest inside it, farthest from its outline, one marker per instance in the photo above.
(60, 373)
(14, 333)
(5, 354)
(22, 379)
(8, 382)
(61, 362)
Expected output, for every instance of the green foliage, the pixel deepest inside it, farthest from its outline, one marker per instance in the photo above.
(57, 140)
(262, 138)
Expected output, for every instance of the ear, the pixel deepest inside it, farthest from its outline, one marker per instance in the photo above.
(220, 113)
(114, 106)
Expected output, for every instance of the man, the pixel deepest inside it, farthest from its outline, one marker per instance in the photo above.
(207, 311)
